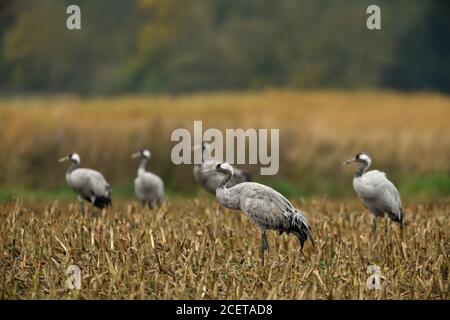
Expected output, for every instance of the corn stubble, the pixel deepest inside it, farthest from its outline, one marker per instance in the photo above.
(195, 249)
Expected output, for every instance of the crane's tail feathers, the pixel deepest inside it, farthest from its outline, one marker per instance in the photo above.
(102, 202)
(310, 236)
(397, 217)
(302, 229)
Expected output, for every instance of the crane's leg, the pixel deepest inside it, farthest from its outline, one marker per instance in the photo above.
(264, 244)
(386, 226)
(386, 231)
(401, 229)
(81, 204)
(374, 225)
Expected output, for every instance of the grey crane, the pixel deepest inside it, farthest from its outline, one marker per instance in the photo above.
(378, 194)
(149, 187)
(211, 181)
(89, 184)
(264, 206)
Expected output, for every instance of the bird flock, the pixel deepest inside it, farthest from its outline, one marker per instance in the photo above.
(265, 207)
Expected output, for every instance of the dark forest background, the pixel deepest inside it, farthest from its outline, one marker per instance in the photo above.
(179, 46)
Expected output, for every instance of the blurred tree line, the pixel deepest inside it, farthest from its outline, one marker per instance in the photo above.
(152, 46)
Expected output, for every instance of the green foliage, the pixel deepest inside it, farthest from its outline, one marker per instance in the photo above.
(13, 194)
(156, 46)
(435, 184)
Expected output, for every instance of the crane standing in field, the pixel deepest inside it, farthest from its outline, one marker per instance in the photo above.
(211, 181)
(89, 184)
(264, 206)
(378, 194)
(149, 187)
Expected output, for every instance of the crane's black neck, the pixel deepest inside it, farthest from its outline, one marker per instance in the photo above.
(73, 165)
(203, 153)
(143, 164)
(362, 168)
(225, 180)
(202, 158)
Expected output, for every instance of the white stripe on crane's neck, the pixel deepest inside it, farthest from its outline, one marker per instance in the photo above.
(365, 157)
(365, 161)
(228, 171)
(75, 157)
(146, 154)
(142, 165)
(73, 165)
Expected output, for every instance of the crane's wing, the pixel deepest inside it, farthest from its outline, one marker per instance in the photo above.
(99, 185)
(92, 186)
(378, 193)
(265, 205)
(149, 184)
(271, 209)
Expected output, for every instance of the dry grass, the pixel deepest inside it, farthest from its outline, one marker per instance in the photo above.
(406, 134)
(196, 250)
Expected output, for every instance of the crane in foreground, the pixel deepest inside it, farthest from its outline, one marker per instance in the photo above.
(264, 206)
(378, 194)
(211, 181)
(89, 184)
(149, 187)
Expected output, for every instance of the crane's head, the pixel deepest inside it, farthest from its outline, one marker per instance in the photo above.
(361, 157)
(143, 154)
(204, 145)
(74, 157)
(221, 167)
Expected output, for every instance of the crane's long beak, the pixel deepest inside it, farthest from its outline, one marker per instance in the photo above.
(63, 159)
(135, 155)
(349, 161)
(208, 170)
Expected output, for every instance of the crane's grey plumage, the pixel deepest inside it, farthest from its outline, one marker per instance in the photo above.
(149, 187)
(264, 206)
(89, 184)
(379, 195)
(211, 181)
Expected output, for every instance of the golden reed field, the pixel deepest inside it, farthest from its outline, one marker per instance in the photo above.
(192, 248)
(407, 136)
